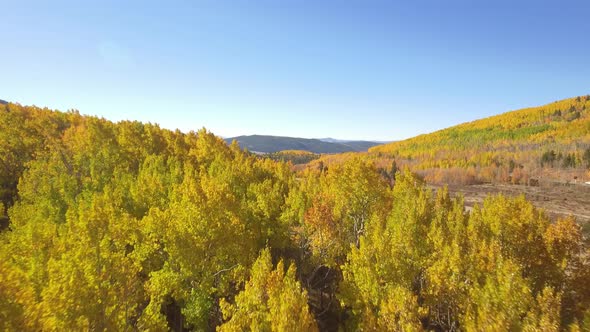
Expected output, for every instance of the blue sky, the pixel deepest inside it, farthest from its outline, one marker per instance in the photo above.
(380, 70)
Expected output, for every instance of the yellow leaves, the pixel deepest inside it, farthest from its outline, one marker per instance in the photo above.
(324, 232)
(92, 283)
(546, 312)
(18, 309)
(481, 271)
(380, 273)
(563, 239)
(494, 141)
(126, 226)
(208, 148)
(499, 303)
(358, 192)
(332, 209)
(272, 300)
(400, 312)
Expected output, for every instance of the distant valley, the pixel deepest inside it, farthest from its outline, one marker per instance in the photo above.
(270, 144)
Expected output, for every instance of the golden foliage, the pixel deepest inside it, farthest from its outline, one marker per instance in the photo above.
(129, 226)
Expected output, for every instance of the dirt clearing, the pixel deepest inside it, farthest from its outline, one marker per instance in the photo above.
(557, 199)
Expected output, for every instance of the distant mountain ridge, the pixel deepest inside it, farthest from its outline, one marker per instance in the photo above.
(269, 144)
(3, 102)
(333, 140)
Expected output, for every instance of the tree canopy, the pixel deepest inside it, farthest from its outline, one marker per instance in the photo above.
(126, 226)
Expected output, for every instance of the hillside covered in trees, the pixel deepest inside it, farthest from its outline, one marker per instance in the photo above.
(550, 141)
(126, 226)
(271, 144)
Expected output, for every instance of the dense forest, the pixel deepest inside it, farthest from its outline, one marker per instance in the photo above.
(547, 142)
(296, 157)
(126, 226)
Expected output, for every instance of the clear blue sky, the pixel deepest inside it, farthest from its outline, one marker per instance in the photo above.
(378, 70)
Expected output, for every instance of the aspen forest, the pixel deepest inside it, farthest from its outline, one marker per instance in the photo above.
(552, 141)
(126, 226)
(549, 142)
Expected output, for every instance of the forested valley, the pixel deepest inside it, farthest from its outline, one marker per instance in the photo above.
(127, 226)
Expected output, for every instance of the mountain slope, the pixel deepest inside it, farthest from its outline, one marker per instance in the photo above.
(556, 122)
(269, 144)
(549, 142)
(360, 145)
(527, 142)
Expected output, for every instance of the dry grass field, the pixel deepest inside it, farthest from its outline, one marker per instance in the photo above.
(556, 198)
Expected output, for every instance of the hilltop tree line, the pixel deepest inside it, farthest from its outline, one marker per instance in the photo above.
(126, 226)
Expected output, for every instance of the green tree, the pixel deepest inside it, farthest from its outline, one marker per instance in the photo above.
(586, 157)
